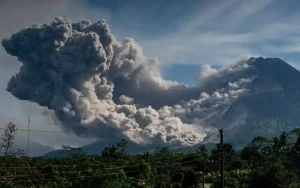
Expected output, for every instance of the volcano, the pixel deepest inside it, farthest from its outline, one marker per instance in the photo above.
(99, 87)
(271, 106)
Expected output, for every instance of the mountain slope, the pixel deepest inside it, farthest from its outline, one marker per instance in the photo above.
(271, 106)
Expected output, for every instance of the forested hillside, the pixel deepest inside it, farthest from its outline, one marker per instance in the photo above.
(264, 163)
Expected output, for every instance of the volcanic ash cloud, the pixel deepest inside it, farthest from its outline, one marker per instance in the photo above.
(96, 85)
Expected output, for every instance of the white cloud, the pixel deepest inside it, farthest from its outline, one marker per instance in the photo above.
(227, 30)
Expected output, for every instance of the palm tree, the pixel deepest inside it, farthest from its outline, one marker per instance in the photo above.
(202, 150)
(282, 145)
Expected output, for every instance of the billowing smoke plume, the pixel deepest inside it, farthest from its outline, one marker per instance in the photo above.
(96, 85)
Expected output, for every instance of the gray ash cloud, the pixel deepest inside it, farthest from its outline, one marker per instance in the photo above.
(100, 87)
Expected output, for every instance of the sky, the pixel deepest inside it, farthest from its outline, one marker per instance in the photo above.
(182, 35)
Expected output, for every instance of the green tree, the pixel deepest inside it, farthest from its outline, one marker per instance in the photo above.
(297, 144)
(281, 146)
(8, 140)
(71, 151)
(117, 151)
(255, 152)
(275, 176)
(261, 143)
(229, 152)
(203, 153)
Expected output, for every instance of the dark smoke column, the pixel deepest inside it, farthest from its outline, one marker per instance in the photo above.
(70, 68)
(58, 59)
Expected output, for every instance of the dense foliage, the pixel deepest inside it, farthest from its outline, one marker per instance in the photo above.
(263, 163)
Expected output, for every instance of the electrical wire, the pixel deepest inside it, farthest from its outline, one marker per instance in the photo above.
(107, 174)
(157, 160)
(111, 168)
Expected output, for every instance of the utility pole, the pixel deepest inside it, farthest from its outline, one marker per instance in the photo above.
(203, 175)
(222, 158)
(28, 136)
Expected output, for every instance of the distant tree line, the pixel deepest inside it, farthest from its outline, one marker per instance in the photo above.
(272, 163)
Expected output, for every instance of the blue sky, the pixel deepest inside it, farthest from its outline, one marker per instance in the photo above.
(207, 32)
(182, 34)
(213, 32)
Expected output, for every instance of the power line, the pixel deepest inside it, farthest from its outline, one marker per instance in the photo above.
(99, 174)
(48, 131)
(120, 168)
(33, 130)
(222, 159)
(52, 179)
(81, 171)
(28, 135)
(64, 166)
(43, 131)
(111, 168)
(105, 174)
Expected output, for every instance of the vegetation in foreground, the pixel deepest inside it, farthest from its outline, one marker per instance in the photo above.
(262, 163)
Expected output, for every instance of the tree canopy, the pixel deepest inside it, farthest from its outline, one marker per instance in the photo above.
(261, 163)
